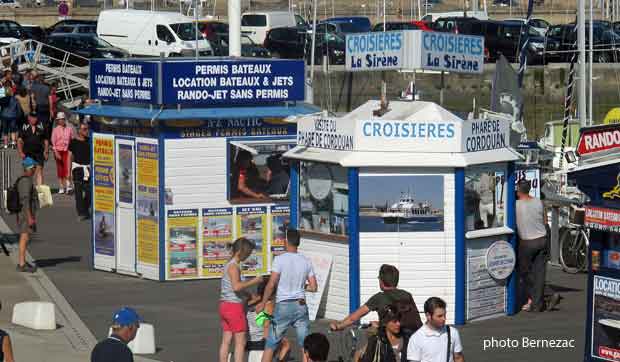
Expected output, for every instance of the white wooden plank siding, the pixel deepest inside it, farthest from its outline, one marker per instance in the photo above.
(425, 259)
(335, 301)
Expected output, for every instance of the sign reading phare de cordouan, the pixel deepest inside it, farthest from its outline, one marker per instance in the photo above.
(598, 139)
(326, 133)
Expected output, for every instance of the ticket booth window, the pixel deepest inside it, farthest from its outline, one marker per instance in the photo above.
(485, 197)
(324, 198)
(257, 171)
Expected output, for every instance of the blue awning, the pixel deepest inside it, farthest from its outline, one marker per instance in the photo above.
(127, 112)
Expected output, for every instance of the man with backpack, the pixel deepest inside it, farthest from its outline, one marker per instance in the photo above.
(21, 201)
(389, 295)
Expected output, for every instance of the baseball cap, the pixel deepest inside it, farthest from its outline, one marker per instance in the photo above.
(125, 317)
(60, 115)
(29, 163)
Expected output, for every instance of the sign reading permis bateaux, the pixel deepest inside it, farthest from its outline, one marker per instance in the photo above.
(122, 81)
(233, 82)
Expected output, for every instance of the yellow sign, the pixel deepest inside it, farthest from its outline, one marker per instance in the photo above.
(182, 243)
(613, 116)
(103, 196)
(147, 203)
(217, 235)
(252, 224)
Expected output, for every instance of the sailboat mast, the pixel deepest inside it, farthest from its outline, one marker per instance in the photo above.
(581, 45)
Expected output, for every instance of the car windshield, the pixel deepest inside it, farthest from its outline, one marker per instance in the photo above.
(254, 20)
(351, 28)
(186, 31)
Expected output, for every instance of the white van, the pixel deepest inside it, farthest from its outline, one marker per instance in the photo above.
(149, 33)
(431, 17)
(257, 24)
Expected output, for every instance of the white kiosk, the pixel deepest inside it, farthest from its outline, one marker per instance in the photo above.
(417, 187)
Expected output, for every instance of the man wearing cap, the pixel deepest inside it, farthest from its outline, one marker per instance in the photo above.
(33, 143)
(531, 221)
(26, 221)
(125, 324)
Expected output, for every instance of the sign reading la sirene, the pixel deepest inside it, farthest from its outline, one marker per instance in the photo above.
(327, 133)
(414, 49)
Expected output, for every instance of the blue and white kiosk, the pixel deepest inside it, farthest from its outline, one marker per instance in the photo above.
(167, 138)
(416, 187)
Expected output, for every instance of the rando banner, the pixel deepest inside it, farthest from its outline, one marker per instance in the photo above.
(233, 82)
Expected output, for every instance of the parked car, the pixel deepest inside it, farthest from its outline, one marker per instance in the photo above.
(76, 29)
(430, 18)
(329, 45)
(288, 42)
(10, 32)
(212, 29)
(248, 47)
(423, 25)
(346, 24)
(396, 25)
(87, 46)
(34, 32)
(606, 42)
(540, 25)
(455, 24)
(504, 37)
(150, 33)
(10, 4)
(70, 22)
(257, 24)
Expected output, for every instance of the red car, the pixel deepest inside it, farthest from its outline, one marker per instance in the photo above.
(423, 25)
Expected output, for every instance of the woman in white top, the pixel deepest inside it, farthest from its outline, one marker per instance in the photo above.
(232, 300)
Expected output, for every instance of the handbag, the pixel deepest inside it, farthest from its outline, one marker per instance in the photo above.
(44, 194)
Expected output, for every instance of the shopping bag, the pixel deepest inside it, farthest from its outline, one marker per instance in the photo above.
(45, 196)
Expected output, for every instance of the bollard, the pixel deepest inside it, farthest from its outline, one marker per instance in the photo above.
(555, 236)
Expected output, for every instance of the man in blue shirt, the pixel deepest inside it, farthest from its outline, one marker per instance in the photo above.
(125, 324)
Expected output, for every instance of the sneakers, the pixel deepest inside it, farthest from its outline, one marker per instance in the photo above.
(69, 190)
(26, 268)
(61, 191)
(554, 300)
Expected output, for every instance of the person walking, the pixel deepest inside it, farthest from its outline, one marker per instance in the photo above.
(233, 298)
(26, 217)
(290, 272)
(389, 294)
(33, 143)
(41, 93)
(316, 347)
(435, 341)
(53, 102)
(27, 104)
(6, 348)
(61, 137)
(531, 221)
(9, 116)
(79, 154)
(389, 344)
(125, 324)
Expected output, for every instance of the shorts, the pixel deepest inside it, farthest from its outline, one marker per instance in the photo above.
(62, 164)
(9, 125)
(288, 314)
(232, 316)
(37, 157)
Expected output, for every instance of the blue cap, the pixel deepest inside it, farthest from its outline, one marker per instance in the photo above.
(29, 163)
(125, 317)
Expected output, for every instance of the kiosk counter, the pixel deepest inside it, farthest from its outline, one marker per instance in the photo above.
(598, 176)
(416, 187)
(187, 157)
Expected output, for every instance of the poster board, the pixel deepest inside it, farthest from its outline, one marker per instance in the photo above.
(182, 243)
(251, 223)
(217, 234)
(321, 264)
(605, 319)
(486, 297)
(104, 207)
(147, 207)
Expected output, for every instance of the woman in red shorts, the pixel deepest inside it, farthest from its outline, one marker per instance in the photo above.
(61, 137)
(233, 299)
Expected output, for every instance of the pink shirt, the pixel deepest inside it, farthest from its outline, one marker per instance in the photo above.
(61, 136)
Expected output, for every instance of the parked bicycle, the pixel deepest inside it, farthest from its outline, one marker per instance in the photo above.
(574, 243)
(346, 342)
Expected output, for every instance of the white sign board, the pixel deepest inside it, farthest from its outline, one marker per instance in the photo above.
(533, 176)
(327, 133)
(322, 264)
(414, 49)
(485, 296)
(379, 51)
(403, 135)
(500, 260)
(486, 134)
(451, 52)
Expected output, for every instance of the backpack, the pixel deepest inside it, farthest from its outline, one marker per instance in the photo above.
(409, 316)
(13, 203)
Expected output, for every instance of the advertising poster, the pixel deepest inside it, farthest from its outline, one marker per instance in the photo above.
(280, 218)
(147, 203)
(125, 162)
(103, 196)
(217, 234)
(182, 243)
(606, 319)
(412, 203)
(252, 224)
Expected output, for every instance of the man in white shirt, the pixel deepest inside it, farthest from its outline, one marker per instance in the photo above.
(290, 272)
(430, 342)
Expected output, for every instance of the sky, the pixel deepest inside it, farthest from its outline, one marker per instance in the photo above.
(379, 189)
